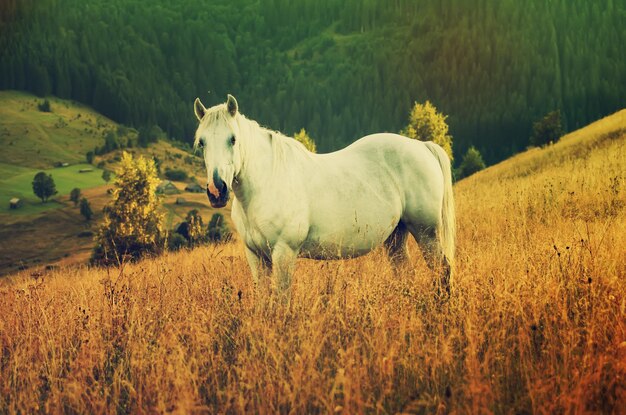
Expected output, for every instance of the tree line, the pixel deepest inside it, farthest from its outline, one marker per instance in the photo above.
(338, 68)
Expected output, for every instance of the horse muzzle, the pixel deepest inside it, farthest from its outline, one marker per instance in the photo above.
(217, 191)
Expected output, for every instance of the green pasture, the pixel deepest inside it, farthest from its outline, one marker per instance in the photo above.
(17, 182)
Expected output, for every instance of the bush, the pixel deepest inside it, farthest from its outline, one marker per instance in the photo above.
(472, 162)
(217, 230)
(547, 130)
(176, 175)
(44, 106)
(89, 156)
(176, 241)
(75, 196)
(132, 225)
(191, 228)
(157, 163)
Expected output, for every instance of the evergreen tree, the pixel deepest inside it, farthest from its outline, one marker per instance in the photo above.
(43, 186)
(547, 130)
(75, 196)
(132, 225)
(85, 209)
(106, 175)
(471, 163)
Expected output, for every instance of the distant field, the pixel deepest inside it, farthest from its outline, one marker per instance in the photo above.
(536, 322)
(66, 178)
(31, 138)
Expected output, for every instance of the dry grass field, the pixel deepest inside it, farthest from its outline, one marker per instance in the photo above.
(536, 322)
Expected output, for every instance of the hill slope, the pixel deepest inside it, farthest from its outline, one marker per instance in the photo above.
(536, 322)
(34, 141)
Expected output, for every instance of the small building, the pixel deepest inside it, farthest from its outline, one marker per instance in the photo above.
(166, 187)
(15, 203)
(194, 188)
(180, 201)
(85, 170)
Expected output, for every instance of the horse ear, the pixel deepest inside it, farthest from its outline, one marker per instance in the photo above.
(231, 105)
(199, 109)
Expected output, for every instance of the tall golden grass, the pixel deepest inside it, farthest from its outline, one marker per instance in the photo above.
(535, 323)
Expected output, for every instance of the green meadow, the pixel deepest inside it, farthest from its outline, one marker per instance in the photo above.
(17, 182)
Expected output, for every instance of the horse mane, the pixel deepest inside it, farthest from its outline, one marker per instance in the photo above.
(282, 146)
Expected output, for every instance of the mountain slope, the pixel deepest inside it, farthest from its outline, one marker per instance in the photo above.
(340, 68)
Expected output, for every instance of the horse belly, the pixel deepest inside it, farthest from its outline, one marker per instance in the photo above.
(347, 239)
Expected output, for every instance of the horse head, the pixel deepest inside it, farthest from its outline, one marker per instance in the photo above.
(217, 138)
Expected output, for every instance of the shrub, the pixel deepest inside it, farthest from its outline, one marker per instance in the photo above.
(132, 226)
(75, 196)
(217, 230)
(191, 228)
(176, 241)
(44, 106)
(176, 175)
(89, 156)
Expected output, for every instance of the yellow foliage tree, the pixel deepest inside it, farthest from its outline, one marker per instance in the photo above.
(132, 227)
(307, 141)
(427, 124)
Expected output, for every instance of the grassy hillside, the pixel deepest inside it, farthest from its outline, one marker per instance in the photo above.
(536, 322)
(34, 141)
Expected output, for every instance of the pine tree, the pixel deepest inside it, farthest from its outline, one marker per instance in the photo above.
(427, 124)
(472, 162)
(85, 209)
(132, 227)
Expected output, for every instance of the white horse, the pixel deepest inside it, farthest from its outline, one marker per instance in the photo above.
(289, 202)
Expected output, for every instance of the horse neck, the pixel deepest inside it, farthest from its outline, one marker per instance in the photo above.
(257, 162)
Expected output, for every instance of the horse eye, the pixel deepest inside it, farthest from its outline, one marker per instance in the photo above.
(232, 140)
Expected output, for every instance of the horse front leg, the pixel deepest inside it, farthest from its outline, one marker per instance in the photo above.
(259, 267)
(283, 264)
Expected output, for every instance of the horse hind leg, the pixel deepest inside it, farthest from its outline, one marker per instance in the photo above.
(432, 251)
(397, 249)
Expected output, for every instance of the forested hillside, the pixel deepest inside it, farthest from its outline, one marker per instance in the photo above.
(339, 68)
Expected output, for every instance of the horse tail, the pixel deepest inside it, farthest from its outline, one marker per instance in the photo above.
(446, 228)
